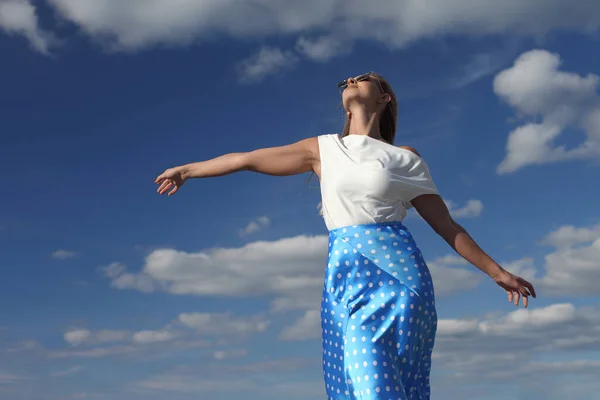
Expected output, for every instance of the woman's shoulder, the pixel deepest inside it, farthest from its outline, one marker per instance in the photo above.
(411, 149)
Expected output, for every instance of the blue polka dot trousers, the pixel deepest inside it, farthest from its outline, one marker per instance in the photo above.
(378, 315)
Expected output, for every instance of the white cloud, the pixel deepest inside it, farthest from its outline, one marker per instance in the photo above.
(544, 346)
(255, 225)
(226, 354)
(323, 28)
(77, 337)
(187, 331)
(526, 331)
(256, 380)
(568, 236)
(449, 278)
(63, 254)
(574, 267)
(9, 378)
(141, 23)
(525, 268)
(147, 337)
(522, 347)
(67, 372)
(321, 49)
(471, 209)
(266, 62)
(536, 88)
(481, 65)
(306, 327)
(121, 279)
(98, 352)
(290, 271)
(19, 17)
(223, 324)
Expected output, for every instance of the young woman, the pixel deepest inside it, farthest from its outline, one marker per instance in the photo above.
(378, 313)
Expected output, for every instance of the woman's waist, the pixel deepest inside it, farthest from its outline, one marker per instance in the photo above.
(345, 214)
(369, 228)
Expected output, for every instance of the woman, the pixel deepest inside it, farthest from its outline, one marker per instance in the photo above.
(378, 307)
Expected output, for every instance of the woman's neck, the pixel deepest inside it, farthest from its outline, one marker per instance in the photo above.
(363, 122)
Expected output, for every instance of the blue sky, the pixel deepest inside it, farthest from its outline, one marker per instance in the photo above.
(110, 291)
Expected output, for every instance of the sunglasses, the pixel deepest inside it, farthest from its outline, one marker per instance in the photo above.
(342, 85)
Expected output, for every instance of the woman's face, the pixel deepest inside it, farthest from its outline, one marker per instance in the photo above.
(365, 92)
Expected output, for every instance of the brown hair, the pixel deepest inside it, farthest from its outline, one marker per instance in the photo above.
(389, 120)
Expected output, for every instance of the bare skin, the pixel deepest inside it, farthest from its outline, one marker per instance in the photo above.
(364, 103)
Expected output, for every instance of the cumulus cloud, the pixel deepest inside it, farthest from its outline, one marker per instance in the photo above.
(9, 378)
(569, 236)
(449, 277)
(226, 354)
(63, 254)
(573, 268)
(554, 100)
(306, 327)
(77, 337)
(66, 372)
(321, 49)
(529, 347)
(481, 65)
(288, 271)
(18, 17)
(256, 225)
(141, 23)
(526, 331)
(322, 28)
(516, 347)
(98, 352)
(266, 62)
(471, 209)
(250, 384)
(188, 330)
(223, 324)
(146, 337)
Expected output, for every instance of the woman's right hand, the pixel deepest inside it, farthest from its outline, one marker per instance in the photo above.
(172, 179)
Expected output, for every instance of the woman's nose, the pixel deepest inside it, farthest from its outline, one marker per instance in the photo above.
(351, 81)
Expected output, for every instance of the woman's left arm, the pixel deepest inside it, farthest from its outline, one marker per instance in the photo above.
(435, 212)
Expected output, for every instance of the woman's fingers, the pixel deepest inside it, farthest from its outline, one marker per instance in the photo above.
(166, 185)
(530, 287)
(517, 288)
(524, 291)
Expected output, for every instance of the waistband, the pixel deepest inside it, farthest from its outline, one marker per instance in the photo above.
(375, 226)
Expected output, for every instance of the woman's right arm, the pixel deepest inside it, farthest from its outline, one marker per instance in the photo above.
(292, 159)
(286, 160)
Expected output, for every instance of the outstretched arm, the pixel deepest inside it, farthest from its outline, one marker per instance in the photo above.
(433, 210)
(292, 159)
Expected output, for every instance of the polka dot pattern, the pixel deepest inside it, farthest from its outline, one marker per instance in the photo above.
(378, 315)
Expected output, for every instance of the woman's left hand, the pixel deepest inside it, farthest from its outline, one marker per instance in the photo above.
(515, 287)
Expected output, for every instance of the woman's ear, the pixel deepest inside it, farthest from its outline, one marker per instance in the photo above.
(386, 98)
(348, 114)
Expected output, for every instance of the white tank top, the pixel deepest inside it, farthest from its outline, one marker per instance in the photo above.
(365, 180)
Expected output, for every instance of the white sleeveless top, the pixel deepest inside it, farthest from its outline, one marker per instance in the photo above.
(365, 180)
